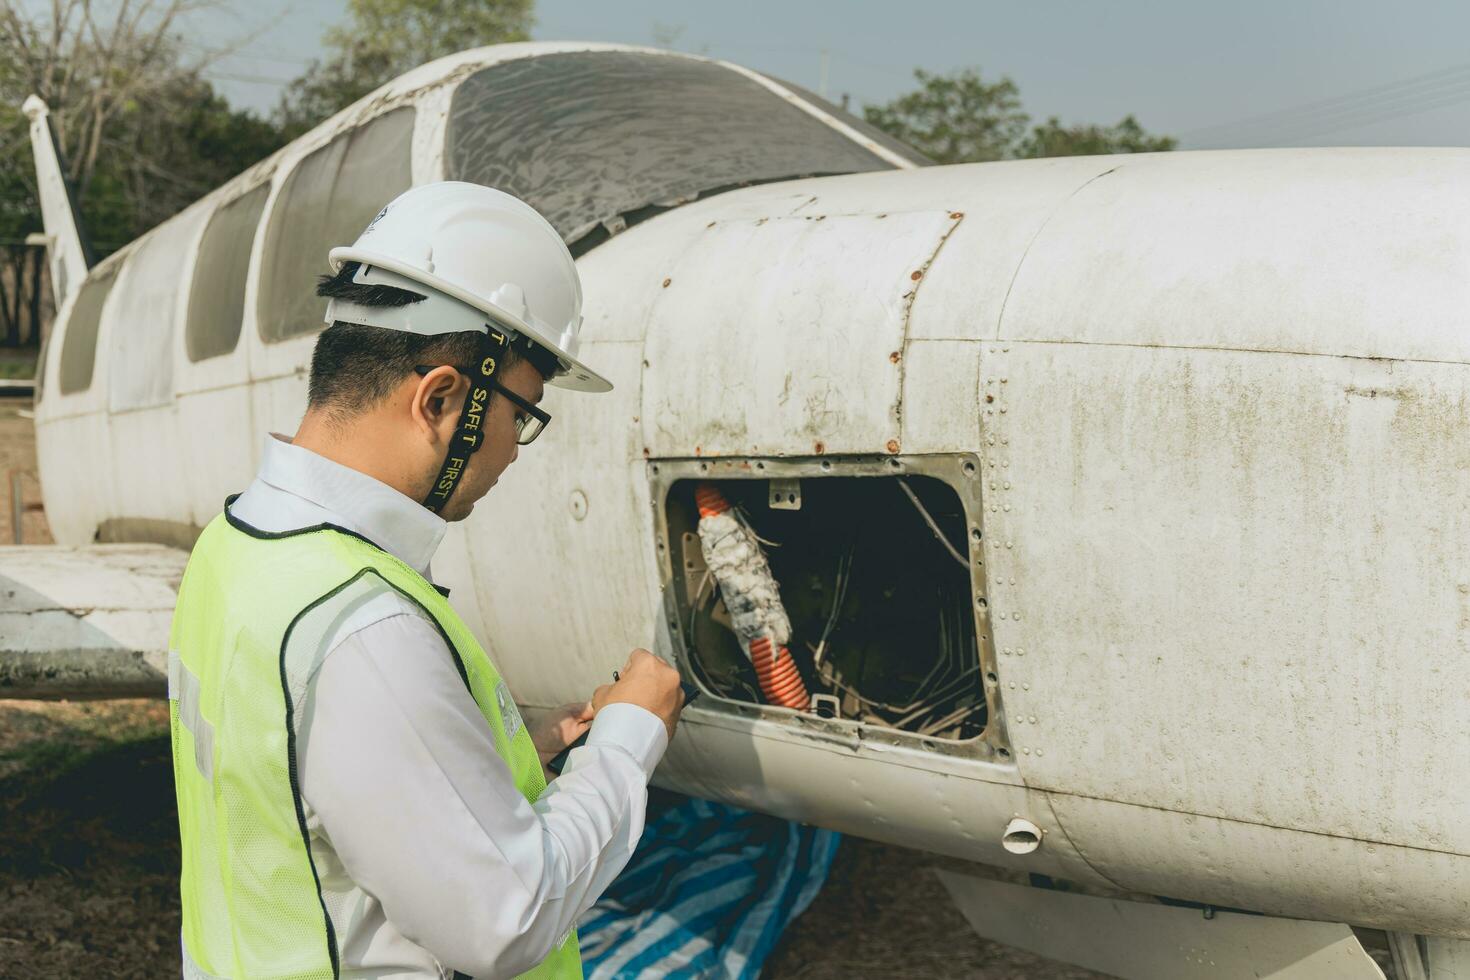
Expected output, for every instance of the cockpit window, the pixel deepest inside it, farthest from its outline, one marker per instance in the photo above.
(599, 138)
(328, 200)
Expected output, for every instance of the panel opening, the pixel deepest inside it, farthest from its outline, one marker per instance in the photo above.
(874, 575)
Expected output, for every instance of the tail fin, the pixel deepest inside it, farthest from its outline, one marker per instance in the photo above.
(68, 251)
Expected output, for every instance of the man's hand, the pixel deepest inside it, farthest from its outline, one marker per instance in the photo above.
(648, 682)
(559, 728)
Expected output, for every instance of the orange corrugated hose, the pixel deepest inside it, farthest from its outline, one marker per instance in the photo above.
(711, 502)
(780, 680)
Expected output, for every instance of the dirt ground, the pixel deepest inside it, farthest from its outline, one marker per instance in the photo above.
(89, 869)
(89, 852)
(18, 461)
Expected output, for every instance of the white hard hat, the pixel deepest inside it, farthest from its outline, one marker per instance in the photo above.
(478, 253)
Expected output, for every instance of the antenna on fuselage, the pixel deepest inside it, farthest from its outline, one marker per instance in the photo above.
(67, 249)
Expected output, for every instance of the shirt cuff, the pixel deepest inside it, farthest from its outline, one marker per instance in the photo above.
(635, 730)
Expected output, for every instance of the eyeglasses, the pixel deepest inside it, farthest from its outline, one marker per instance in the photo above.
(530, 420)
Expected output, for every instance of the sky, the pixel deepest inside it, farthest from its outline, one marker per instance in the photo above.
(1242, 73)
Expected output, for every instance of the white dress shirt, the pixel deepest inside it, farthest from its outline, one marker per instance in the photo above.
(430, 859)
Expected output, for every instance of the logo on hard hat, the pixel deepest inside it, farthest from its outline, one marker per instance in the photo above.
(378, 218)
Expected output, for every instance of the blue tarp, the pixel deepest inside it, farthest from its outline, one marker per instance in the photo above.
(706, 895)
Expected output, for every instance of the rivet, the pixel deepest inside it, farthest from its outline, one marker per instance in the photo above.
(1013, 685)
(1013, 581)
(1016, 616)
(992, 486)
(1032, 719)
(1025, 687)
(1005, 463)
(1020, 720)
(1026, 751)
(1002, 410)
(1009, 545)
(992, 350)
(1001, 615)
(1008, 649)
(893, 445)
(1020, 652)
(1008, 507)
(1005, 350)
(1038, 752)
(666, 283)
(916, 275)
(1004, 441)
(992, 508)
(1004, 380)
(1008, 484)
(579, 505)
(990, 411)
(992, 463)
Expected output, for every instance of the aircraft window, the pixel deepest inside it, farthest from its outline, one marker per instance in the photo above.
(328, 200)
(217, 296)
(883, 623)
(592, 137)
(140, 343)
(79, 345)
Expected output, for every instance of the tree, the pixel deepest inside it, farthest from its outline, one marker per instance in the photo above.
(959, 118)
(385, 38)
(142, 133)
(955, 118)
(1052, 139)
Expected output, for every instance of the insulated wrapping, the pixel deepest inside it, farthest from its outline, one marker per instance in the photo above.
(738, 563)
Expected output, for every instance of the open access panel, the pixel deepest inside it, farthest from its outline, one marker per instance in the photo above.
(879, 566)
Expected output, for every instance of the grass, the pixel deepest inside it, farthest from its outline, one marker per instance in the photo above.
(17, 364)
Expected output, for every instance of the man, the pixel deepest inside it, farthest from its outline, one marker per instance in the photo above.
(357, 794)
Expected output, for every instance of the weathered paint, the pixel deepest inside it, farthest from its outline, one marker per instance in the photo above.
(86, 622)
(1220, 403)
(1142, 941)
(784, 382)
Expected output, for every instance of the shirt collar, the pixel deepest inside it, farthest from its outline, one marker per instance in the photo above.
(398, 524)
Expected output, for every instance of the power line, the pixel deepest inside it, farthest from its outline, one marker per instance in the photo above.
(243, 52)
(1382, 114)
(257, 79)
(1355, 116)
(1396, 98)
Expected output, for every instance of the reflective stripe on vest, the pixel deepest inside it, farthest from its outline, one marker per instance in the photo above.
(191, 969)
(256, 615)
(183, 687)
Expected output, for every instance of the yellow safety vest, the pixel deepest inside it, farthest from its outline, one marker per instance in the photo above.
(255, 613)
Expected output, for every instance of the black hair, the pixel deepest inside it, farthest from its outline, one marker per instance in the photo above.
(354, 367)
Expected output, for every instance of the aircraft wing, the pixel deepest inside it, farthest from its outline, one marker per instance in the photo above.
(86, 622)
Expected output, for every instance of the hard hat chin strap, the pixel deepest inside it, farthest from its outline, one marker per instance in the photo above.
(468, 435)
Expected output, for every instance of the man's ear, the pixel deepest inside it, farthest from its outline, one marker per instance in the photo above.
(436, 402)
